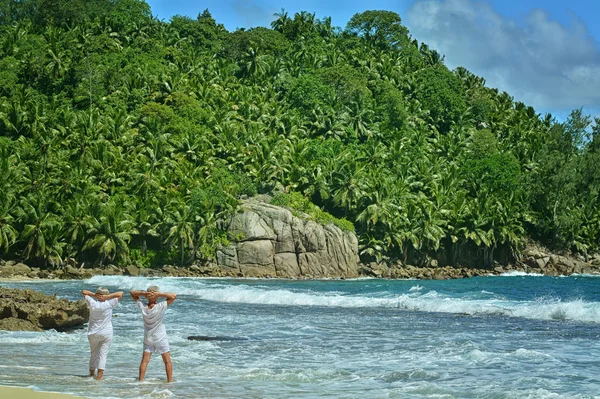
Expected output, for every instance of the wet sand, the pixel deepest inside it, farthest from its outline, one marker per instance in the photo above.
(26, 393)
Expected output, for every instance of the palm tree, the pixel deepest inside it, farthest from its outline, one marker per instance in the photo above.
(110, 232)
(76, 214)
(146, 216)
(282, 22)
(8, 234)
(180, 225)
(254, 64)
(41, 228)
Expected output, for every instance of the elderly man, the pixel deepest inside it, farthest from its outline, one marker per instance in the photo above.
(155, 334)
(100, 329)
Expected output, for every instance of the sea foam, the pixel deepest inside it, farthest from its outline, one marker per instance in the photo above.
(414, 299)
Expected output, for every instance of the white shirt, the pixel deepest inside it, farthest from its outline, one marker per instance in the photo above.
(154, 329)
(101, 316)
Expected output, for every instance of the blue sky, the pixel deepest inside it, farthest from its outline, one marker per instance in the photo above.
(543, 52)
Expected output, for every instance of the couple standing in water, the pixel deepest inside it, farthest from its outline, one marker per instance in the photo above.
(100, 330)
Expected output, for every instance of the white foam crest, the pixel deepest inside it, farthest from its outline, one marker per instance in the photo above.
(479, 356)
(530, 354)
(551, 309)
(253, 295)
(585, 275)
(539, 393)
(430, 301)
(159, 394)
(50, 336)
(416, 288)
(141, 283)
(516, 273)
(305, 375)
(543, 309)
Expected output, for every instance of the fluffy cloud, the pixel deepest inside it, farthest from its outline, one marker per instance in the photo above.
(541, 62)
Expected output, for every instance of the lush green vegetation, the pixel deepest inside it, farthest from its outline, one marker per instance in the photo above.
(124, 138)
(306, 210)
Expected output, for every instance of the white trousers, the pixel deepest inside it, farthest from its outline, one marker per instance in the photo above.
(99, 345)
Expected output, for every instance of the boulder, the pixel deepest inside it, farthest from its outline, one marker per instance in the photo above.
(286, 264)
(542, 262)
(258, 252)
(112, 270)
(250, 226)
(132, 270)
(268, 240)
(227, 257)
(16, 324)
(33, 311)
(172, 271)
(438, 274)
(533, 252)
(21, 269)
(6, 270)
(73, 272)
(11, 268)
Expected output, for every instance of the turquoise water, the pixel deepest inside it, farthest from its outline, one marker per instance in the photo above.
(512, 336)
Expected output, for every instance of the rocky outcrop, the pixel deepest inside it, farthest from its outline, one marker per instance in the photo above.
(269, 241)
(538, 259)
(30, 310)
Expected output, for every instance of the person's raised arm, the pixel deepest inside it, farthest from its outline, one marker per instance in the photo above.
(87, 293)
(118, 295)
(137, 294)
(169, 296)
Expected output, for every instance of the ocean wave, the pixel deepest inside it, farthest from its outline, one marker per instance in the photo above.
(159, 394)
(304, 375)
(517, 274)
(413, 300)
(585, 275)
(416, 374)
(52, 336)
(544, 309)
(523, 353)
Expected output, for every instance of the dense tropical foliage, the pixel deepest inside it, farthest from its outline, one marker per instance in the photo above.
(125, 139)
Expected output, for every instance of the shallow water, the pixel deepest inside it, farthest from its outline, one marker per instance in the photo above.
(513, 336)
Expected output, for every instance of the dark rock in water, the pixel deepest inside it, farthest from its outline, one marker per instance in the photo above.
(214, 338)
(16, 324)
(28, 310)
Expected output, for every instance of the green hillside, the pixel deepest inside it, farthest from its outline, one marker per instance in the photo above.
(125, 139)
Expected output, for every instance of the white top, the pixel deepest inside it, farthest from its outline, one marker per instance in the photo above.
(101, 315)
(154, 329)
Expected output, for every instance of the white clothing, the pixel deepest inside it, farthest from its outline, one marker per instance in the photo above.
(100, 322)
(155, 334)
(99, 345)
(158, 347)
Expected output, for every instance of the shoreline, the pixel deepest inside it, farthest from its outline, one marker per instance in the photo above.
(533, 260)
(13, 392)
(377, 271)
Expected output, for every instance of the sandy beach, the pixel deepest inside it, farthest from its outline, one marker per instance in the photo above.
(26, 393)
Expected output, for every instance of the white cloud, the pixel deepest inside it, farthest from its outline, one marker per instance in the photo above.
(541, 62)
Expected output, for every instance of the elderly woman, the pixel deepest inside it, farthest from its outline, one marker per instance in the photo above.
(100, 329)
(155, 334)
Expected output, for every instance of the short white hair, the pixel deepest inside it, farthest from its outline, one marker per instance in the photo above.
(152, 288)
(102, 291)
